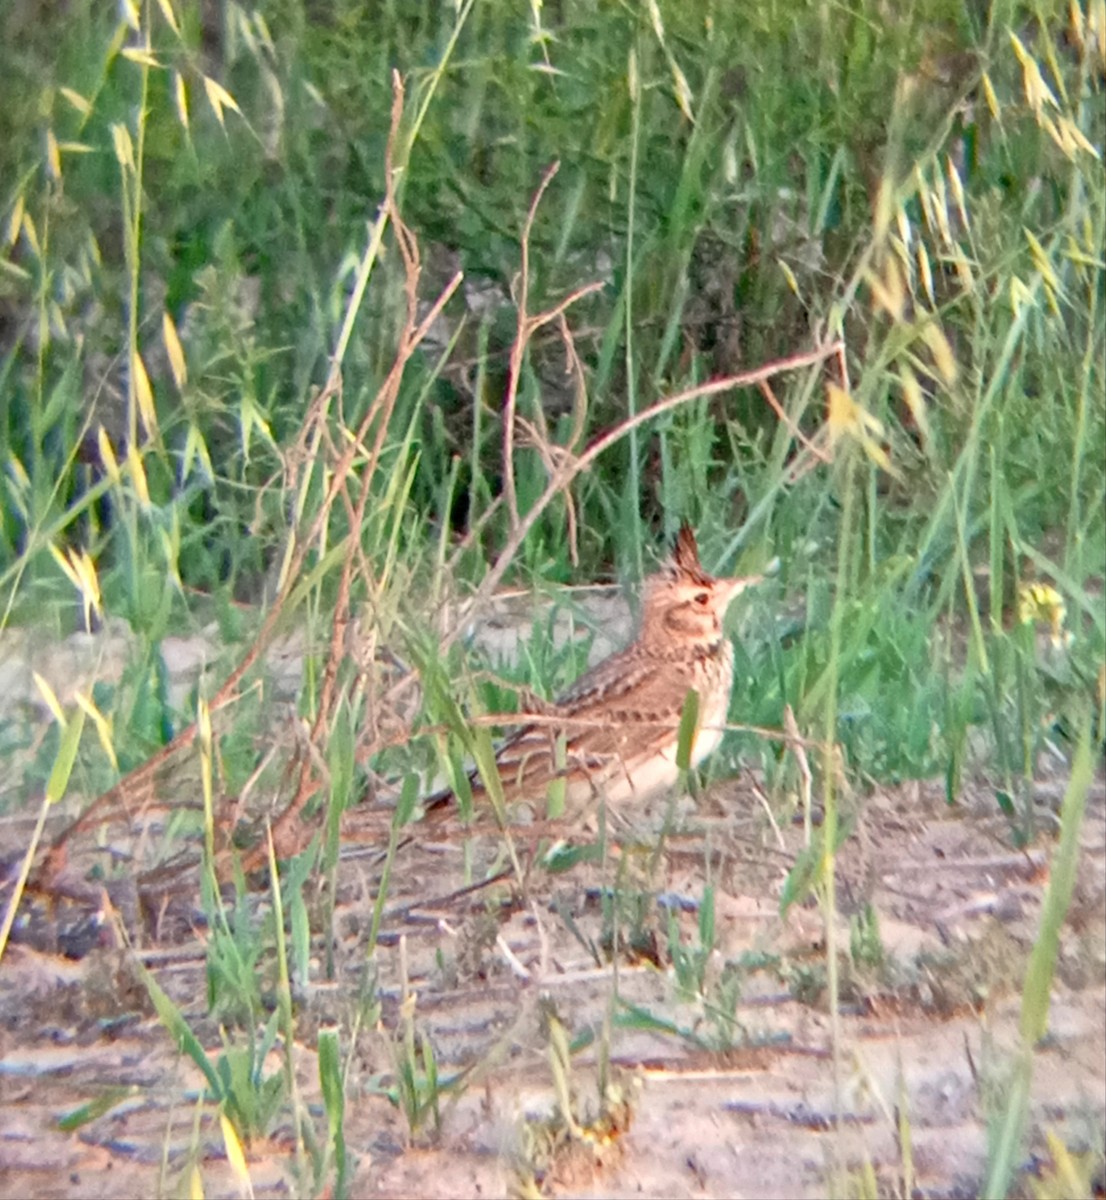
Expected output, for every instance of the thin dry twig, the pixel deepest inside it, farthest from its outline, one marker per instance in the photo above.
(572, 467)
(796, 432)
(525, 328)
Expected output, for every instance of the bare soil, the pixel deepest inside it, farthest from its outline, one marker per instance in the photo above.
(719, 1105)
(727, 1089)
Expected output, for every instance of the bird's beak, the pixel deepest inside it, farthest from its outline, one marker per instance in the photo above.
(737, 586)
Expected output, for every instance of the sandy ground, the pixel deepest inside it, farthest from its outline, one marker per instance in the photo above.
(730, 1089)
(737, 1104)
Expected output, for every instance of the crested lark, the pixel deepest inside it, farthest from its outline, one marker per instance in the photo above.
(614, 733)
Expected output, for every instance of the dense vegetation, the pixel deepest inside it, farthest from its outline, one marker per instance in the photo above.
(190, 192)
(205, 341)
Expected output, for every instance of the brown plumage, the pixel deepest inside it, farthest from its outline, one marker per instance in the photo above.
(613, 734)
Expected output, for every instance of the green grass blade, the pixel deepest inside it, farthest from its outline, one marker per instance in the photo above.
(1006, 1148)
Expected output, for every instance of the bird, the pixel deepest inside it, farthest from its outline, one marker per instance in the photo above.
(613, 735)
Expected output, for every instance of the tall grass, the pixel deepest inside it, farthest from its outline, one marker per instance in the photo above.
(297, 319)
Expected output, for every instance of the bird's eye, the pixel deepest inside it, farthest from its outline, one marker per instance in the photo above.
(702, 599)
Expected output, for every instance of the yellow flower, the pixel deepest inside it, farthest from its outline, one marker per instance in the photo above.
(1042, 602)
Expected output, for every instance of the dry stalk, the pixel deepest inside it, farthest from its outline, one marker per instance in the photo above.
(287, 831)
(525, 328)
(140, 783)
(823, 456)
(570, 465)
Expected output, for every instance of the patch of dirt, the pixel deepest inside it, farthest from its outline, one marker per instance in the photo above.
(720, 1084)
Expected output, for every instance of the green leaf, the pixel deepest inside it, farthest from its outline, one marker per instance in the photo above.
(808, 871)
(301, 936)
(562, 857)
(340, 758)
(484, 752)
(459, 781)
(67, 756)
(706, 918)
(334, 1101)
(330, 1080)
(94, 1109)
(173, 1020)
(689, 723)
(408, 798)
(803, 876)
(557, 791)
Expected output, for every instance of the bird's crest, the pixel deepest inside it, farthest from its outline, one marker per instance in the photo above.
(685, 559)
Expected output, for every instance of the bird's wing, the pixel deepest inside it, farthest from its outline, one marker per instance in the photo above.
(609, 716)
(622, 705)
